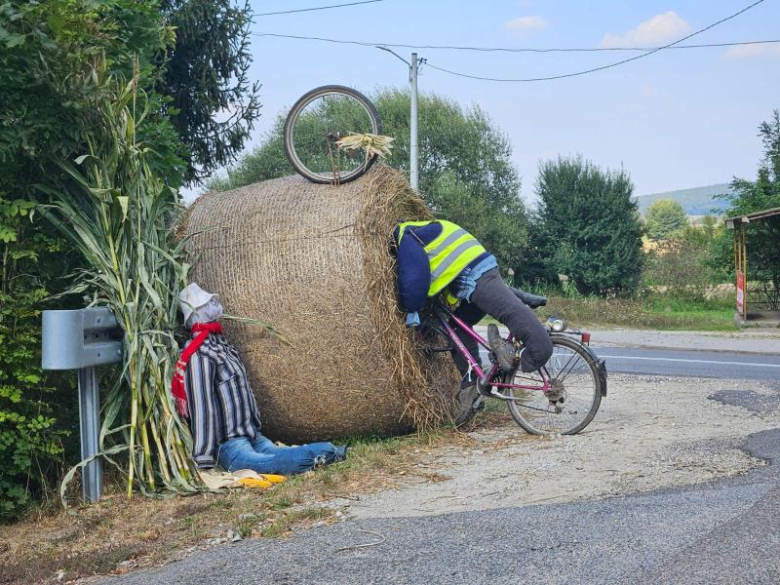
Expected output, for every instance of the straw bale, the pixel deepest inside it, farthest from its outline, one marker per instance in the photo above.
(313, 260)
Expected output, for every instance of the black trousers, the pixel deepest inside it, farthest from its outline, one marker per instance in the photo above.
(493, 297)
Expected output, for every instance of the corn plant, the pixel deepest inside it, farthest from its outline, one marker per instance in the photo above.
(119, 215)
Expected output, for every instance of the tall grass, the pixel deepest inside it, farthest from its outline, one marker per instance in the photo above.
(118, 214)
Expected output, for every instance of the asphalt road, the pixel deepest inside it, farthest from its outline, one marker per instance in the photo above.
(699, 364)
(724, 532)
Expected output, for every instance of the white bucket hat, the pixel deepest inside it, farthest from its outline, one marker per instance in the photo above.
(193, 297)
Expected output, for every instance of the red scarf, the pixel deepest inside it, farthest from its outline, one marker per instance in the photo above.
(177, 384)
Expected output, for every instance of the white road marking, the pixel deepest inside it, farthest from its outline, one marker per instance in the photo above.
(655, 359)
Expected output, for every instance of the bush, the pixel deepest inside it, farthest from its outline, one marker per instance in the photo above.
(587, 227)
(28, 439)
(677, 267)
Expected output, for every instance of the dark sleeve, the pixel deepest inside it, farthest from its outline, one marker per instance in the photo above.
(414, 274)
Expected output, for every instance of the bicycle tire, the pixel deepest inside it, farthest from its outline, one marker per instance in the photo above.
(289, 132)
(598, 390)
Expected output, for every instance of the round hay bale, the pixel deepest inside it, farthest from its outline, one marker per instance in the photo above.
(314, 261)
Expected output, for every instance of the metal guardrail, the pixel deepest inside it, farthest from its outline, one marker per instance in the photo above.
(81, 340)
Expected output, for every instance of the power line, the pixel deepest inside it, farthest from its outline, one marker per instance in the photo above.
(317, 8)
(603, 67)
(509, 49)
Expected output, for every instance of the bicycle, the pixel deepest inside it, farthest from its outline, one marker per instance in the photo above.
(560, 398)
(317, 132)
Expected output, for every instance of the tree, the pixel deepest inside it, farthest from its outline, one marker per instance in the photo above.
(588, 226)
(49, 52)
(763, 193)
(679, 265)
(664, 218)
(46, 49)
(211, 102)
(466, 173)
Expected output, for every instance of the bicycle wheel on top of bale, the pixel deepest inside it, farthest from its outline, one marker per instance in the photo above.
(313, 260)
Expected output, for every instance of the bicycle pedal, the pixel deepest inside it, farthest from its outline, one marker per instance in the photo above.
(479, 403)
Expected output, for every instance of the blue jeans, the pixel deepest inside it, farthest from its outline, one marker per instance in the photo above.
(262, 456)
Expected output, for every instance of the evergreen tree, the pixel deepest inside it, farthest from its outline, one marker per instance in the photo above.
(212, 103)
(588, 226)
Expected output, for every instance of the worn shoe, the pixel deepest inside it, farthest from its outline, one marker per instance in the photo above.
(341, 453)
(464, 404)
(505, 351)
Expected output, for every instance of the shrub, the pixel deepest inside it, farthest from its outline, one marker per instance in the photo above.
(588, 227)
(28, 438)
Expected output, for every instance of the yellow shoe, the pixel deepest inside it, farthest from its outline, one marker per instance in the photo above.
(255, 482)
(273, 478)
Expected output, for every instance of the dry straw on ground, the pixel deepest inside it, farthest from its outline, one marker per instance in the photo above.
(314, 261)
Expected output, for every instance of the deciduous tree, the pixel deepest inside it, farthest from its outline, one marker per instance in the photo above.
(664, 218)
(763, 193)
(466, 172)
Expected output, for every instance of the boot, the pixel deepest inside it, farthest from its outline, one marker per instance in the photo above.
(505, 351)
(465, 402)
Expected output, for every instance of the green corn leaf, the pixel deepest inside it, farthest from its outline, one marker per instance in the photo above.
(124, 202)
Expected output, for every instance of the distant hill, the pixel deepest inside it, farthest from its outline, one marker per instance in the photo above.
(698, 201)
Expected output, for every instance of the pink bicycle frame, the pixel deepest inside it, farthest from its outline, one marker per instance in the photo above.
(546, 385)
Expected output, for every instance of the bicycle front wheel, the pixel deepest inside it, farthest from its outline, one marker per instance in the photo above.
(572, 402)
(317, 122)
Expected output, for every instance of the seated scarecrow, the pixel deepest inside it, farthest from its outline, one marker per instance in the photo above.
(211, 389)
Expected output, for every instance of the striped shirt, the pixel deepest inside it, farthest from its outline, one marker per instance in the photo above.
(221, 403)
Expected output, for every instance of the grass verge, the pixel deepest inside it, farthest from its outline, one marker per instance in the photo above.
(119, 534)
(657, 313)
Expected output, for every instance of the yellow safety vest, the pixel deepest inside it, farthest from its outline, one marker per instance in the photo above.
(448, 254)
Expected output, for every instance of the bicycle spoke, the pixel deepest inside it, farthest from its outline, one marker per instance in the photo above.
(537, 379)
(572, 357)
(571, 400)
(537, 409)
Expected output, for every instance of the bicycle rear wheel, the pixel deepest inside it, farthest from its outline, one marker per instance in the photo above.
(317, 121)
(575, 397)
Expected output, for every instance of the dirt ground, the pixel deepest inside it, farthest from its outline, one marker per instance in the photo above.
(651, 432)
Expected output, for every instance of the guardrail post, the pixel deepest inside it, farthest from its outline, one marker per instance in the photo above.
(89, 417)
(80, 340)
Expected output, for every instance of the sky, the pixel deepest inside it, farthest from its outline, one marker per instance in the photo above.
(673, 120)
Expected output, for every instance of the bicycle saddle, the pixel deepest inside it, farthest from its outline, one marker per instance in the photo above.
(533, 301)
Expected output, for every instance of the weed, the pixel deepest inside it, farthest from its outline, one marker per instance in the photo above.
(247, 522)
(282, 503)
(222, 504)
(282, 523)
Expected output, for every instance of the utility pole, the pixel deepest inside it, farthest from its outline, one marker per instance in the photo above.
(413, 140)
(414, 178)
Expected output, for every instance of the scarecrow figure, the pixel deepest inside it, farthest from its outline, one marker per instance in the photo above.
(211, 389)
(436, 257)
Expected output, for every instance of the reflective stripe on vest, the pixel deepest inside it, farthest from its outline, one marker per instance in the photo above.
(448, 254)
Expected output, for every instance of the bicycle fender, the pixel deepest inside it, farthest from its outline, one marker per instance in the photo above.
(601, 365)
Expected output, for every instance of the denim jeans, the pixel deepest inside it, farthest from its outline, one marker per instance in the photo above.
(262, 456)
